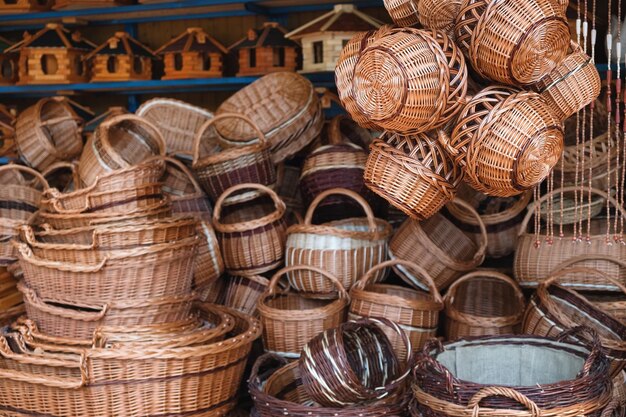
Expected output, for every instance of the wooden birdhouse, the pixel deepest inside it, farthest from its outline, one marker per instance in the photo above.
(193, 54)
(53, 55)
(121, 58)
(24, 6)
(8, 63)
(266, 50)
(323, 38)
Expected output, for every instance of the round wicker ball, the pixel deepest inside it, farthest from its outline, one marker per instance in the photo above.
(403, 12)
(438, 14)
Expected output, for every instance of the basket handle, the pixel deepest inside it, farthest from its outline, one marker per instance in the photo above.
(28, 235)
(444, 140)
(595, 257)
(451, 293)
(263, 360)
(334, 132)
(30, 257)
(345, 192)
(63, 165)
(479, 257)
(421, 272)
(474, 402)
(560, 271)
(27, 170)
(271, 288)
(182, 168)
(611, 408)
(211, 122)
(591, 338)
(278, 203)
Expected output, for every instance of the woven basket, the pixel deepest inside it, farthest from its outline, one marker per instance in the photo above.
(572, 85)
(286, 108)
(403, 12)
(147, 172)
(502, 218)
(48, 132)
(554, 309)
(291, 320)
(178, 121)
(345, 248)
(506, 141)
(62, 176)
(8, 231)
(613, 304)
(535, 260)
(243, 292)
(18, 202)
(416, 312)
(568, 209)
(439, 247)
(449, 377)
(251, 237)
(238, 165)
(413, 173)
(137, 381)
(119, 142)
(439, 14)
(186, 194)
(512, 42)
(483, 303)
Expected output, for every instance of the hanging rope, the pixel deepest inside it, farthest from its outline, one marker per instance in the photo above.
(609, 82)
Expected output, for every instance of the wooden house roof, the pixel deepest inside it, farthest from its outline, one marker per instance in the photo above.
(122, 44)
(54, 35)
(271, 34)
(343, 18)
(193, 40)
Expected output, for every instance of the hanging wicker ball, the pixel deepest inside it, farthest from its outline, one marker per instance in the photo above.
(510, 41)
(507, 141)
(438, 14)
(403, 12)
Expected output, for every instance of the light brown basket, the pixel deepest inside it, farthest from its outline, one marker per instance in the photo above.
(535, 259)
(345, 248)
(149, 171)
(48, 132)
(186, 194)
(290, 320)
(242, 293)
(119, 142)
(439, 247)
(416, 312)
(414, 173)
(512, 42)
(219, 171)
(251, 237)
(403, 12)
(8, 231)
(506, 141)
(439, 14)
(286, 108)
(18, 202)
(483, 303)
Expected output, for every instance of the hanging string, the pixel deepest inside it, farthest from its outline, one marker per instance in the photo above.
(578, 36)
(623, 177)
(584, 142)
(591, 114)
(537, 209)
(609, 81)
(618, 91)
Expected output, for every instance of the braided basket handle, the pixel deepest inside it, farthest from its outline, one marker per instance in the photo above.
(279, 204)
(451, 293)
(28, 256)
(271, 288)
(595, 257)
(590, 338)
(27, 170)
(182, 168)
(479, 257)
(474, 402)
(308, 219)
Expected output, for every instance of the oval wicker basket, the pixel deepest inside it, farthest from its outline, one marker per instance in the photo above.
(219, 171)
(251, 237)
(119, 142)
(506, 141)
(346, 248)
(413, 173)
(483, 303)
(291, 320)
(286, 108)
(416, 312)
(18, 202)
(48, 132)
(439, 14)
(243, 292)
(439, 247)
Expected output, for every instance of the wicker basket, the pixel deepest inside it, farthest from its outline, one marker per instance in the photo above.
(286, 109)
(186, 194)
(243, 293)
(568, 209)
(483, 303)
(506, 141)
(251, 236)
(439, 14)
(291, 320)
(573, 84)
(345, 248)
(439, 247)
(62, 176)
(613, 304)
(413, 173)
(8, 231)
(147, 172)
(502, 218)
(416, 312)
(512, 42)
(18, 202)
(535, 260)
(48, 132)
(238, 165)
(117, 143)
(403, 12)
(555, 308)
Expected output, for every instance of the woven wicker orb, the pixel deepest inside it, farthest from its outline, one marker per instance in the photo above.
(507, 141)
(438, 14)
(403, 12)
(510, 41)
(402, 81)
(413, 173)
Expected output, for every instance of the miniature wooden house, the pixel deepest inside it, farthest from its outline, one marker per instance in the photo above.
(53, 56)
(8, 63)
(24, 6)
(324, 38)
(121, 58)
(266, 50)
(193, 54)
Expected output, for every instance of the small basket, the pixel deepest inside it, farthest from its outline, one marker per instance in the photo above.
(286, 108)
(251, 237)
(117, 143)
(439, 247)
(18, 202)
(243, 292)
(291, 320)
(186, 194)
(506, 141)
(483, 303)
(413, 173)
(48, 132)
(439, 14)
(346, 248)
(416, 312)
(219, 171)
